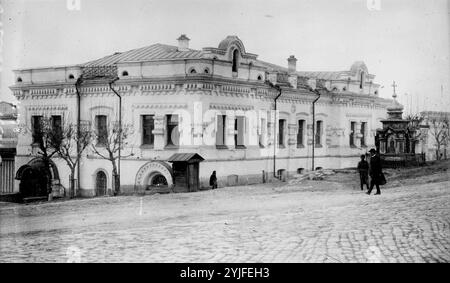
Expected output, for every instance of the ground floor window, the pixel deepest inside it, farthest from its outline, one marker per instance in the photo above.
(318, 134)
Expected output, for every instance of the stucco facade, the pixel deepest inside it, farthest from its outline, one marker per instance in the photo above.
(199, 86)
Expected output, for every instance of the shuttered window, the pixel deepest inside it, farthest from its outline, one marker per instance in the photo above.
(239, 131)
(148, 125)
(220, 133)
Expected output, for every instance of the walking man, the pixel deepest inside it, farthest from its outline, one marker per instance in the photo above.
(213, 180)
(363, 169)
(375, 171)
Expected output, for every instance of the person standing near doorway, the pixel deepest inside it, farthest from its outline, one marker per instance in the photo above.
(213, 180)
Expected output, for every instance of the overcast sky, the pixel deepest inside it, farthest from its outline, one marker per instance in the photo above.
(406, 40)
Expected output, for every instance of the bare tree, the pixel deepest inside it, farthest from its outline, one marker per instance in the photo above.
(110, 140)
(44, 133)
(414, 126)
(70, 141)
(439, 130)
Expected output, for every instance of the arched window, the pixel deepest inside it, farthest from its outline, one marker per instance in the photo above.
(19, 79)
(124, 73)
(259, 78)
(193, 71)
(344, 88)
(71, 77)
(235, 60)
(206, 71)
(361, 80)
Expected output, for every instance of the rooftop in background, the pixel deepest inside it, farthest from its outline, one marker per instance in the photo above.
(8, 111)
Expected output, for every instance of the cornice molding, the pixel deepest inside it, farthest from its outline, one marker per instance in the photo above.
(46, 107)
(222, 106)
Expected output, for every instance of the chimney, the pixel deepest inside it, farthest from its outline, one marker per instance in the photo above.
(292, 64)
(183, 43)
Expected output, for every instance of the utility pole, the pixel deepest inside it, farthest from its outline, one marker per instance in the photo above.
(277, 87)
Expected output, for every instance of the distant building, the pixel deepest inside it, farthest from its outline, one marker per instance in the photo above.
(436, 134)
(8, 142)
(215, 102)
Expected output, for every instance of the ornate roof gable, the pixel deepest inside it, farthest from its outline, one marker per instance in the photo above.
(227, 45)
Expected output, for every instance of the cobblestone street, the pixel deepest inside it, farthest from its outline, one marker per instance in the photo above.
(312, 222)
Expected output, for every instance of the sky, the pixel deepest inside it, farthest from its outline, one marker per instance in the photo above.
(406, 41)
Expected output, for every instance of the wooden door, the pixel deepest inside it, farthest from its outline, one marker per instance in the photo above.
(100, 183)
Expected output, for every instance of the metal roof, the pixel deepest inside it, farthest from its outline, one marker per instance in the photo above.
(185, 157)
(153, 52)
(323, 75)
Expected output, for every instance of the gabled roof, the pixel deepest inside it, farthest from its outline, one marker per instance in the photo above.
(153, 52)
(185, 157)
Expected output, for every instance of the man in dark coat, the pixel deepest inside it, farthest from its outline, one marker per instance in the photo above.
(363, 169)
(213, 180)
(375, 171)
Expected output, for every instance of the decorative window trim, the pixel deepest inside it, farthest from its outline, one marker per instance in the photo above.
(218, 106)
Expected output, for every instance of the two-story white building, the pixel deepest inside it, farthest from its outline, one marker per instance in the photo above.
(216, 102)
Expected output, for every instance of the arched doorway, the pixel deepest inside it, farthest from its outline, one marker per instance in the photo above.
(100, 183)
(154, 175)
(34, 178)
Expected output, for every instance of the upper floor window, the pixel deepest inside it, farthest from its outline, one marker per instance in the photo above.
(36, 126)
(352, 134)
(262, 132)
(172, 139)
(124, 73)
(239, 132)
(281, 132)
(148, 125)
(235, 61)
(363, 133)
(206, 71)
(19, 79)
(318, 134)
(300, 133)
(259, 78)
(71, 77)
(193, 71)
(101, 129)
(361, 80)
(56, 123)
